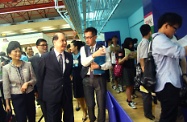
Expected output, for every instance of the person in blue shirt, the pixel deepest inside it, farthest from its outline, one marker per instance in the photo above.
(167, 55)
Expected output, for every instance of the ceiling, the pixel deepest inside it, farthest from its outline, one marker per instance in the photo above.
(49, 16)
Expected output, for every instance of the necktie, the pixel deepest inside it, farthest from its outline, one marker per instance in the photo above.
(91, 71)
(61, 62)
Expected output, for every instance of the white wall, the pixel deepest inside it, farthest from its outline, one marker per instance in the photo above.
(24, 39)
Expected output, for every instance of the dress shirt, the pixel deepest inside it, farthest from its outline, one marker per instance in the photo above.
(58, 57)
(166, 55)
(142, 50)
(86, 61)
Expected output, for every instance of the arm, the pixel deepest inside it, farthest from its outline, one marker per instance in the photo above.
(142, 64)
(32, 80)
(6, 89)
(85, 61)
(168, 48)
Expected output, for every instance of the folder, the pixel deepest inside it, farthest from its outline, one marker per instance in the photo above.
(99, 60)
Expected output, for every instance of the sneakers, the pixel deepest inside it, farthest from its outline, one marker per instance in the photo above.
(131, 104)
(114, 87)
(117, 90)
(121, 88)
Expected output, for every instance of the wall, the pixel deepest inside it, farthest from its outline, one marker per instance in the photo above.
(118, 25)
(177, 6)
(135, 21)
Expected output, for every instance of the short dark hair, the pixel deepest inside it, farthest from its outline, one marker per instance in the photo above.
(170, 18)
(68, 46)
(91, 29)
(145, 29)
(39, 41)
(27, 47)
(115, 37)
(79, 44)
(12, 46)
(127, 42)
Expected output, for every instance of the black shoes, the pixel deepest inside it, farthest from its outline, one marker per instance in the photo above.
(151, 117)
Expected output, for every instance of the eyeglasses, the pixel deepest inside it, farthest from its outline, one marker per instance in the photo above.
(89, 37)
(175, 28)
(43, 45)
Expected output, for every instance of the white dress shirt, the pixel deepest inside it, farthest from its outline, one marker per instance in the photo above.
(86, 61)
(58, 57)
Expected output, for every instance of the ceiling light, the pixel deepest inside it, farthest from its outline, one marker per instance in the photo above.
(48, 28)
(65, 26)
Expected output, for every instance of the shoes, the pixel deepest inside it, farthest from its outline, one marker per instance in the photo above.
(84, 119)
(121, 88)
(117, 90)
(131, 104)
(77, 108)
(151, 117)
(114, 87)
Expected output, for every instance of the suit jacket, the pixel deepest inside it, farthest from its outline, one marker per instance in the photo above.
(13, 78)
(52, 82)
(35, 64)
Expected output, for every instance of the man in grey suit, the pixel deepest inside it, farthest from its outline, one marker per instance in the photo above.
(41, 45)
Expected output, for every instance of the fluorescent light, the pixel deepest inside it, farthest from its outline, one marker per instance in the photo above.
(65, 26)
(28, 30)
(48, 28)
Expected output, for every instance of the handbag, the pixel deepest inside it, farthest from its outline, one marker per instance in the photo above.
(138, 77)
(149, 75)
(118, 69)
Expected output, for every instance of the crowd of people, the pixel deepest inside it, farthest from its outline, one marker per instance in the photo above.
(49, 76)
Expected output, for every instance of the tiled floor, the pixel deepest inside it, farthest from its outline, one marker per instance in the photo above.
(135, 114)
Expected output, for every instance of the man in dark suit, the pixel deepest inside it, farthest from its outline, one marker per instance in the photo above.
(41, 45)
(54, 86)
(95, 59)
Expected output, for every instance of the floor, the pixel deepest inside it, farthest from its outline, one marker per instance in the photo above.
(135, 114)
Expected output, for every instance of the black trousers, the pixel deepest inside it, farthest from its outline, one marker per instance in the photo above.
(169, 99)
(97, 85)
(24, 107)
(147, 103)
(43, 108)
(2, 112)
(54, 110)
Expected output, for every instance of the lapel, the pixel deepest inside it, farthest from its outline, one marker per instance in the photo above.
(67, 62)
(55, 61)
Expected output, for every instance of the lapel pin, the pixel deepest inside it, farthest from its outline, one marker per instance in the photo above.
(67, 61)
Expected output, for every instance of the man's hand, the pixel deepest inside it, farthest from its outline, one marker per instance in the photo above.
(100, 52)
(94, 66)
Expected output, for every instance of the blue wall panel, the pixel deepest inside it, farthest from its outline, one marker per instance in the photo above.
(177, 6)
(135, 21)
(118, 25)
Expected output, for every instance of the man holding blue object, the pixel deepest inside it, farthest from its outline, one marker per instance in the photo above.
(95, 60)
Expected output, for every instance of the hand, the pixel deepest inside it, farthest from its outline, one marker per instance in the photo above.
(36, 95)
(100, 52)
(185, 50)
(94, 66)
(24, 87)
(185, 78)
(8, 108)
